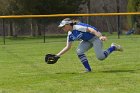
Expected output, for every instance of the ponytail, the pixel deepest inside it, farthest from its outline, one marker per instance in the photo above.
(73, 21)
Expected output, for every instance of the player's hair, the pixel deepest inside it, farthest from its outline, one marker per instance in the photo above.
(74, 21)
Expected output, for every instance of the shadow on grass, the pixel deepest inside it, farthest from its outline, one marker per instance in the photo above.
(118, 71)
(74, 73)
(106, 71)
(67, 73)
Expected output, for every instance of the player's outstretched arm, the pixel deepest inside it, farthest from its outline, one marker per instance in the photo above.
(65, 49)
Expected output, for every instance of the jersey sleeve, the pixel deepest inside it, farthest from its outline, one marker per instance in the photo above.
(80, 28)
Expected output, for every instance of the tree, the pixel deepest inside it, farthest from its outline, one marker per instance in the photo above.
(38, 7)
(42, 6)
(134, 21)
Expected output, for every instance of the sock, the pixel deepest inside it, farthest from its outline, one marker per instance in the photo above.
(84, 61)
(109, 50)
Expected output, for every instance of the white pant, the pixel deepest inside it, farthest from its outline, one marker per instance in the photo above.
(96, 43)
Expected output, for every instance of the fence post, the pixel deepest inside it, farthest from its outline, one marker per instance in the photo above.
(3, 28)
(88, 11)
(44, 36)
(118, 19)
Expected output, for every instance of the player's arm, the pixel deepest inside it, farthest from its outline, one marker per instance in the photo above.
(96, 33)
(65, 49)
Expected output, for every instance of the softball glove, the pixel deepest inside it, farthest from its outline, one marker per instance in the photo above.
(51, 58)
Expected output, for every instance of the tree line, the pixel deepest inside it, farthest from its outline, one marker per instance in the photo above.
(39, 26)
(13, 27)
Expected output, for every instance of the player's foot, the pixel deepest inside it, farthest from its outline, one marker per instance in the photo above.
(117, 47)
(86, 71)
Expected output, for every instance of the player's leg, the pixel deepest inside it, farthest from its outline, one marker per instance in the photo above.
(100, 53)
(98, 48)
(82, 48)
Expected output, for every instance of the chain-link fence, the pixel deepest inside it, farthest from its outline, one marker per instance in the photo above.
(35, 26)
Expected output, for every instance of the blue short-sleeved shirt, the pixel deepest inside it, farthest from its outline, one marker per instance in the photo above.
(79, 32)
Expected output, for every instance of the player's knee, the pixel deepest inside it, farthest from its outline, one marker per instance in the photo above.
(101, 57)
(79, 52)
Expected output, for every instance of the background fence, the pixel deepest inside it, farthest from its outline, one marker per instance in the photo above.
(42, 25)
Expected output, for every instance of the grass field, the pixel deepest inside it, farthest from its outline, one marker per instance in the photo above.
(23, 70)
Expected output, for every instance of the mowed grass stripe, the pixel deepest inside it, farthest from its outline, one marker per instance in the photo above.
(23, 70)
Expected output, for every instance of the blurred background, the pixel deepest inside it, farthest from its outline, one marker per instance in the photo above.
(46, 26)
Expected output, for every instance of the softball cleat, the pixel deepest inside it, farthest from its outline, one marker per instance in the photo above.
(117, 47)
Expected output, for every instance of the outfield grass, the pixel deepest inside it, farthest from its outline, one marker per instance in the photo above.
(23, 70)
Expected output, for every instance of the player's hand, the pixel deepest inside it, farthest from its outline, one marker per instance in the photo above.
(103, 38)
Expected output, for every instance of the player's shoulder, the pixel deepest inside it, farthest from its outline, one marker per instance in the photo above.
(76, 27)
(80, 27)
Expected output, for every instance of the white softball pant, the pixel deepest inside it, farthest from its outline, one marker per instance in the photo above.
(96, 43)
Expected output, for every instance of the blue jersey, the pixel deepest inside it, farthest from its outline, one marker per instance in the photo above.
(79, 32)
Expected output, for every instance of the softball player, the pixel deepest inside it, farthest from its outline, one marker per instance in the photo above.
(90, 37)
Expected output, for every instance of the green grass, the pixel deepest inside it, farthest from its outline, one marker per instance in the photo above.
(23, 70)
